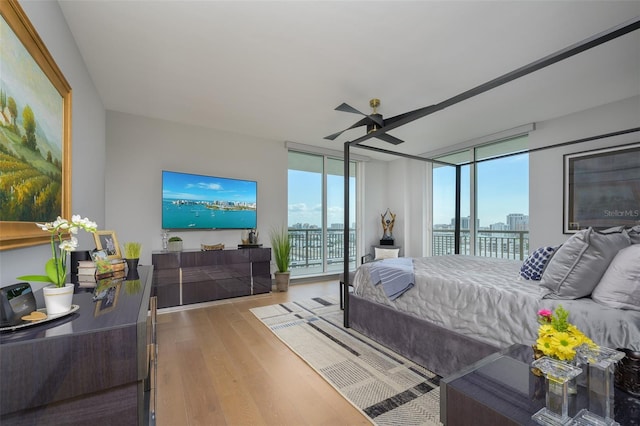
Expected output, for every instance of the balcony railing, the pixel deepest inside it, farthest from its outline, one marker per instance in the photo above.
(307, 246)
(502, 244)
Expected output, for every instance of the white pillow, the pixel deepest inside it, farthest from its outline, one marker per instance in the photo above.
(381, 253)
(634, 234)
(620, 284)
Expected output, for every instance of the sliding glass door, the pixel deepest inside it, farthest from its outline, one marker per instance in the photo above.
(316, 213)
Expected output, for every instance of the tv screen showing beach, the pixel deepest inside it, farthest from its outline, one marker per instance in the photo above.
(191, 201)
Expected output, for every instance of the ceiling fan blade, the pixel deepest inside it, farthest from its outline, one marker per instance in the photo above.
(333, 136)
(388, 138)
(348, 108)
(366, 120)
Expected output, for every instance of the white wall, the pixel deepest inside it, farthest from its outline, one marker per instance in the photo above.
(546, 167)
(375, 202)
(88, 139)
(139, 148)
(400, 186)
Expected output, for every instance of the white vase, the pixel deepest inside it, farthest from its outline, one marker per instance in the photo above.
(58, 300)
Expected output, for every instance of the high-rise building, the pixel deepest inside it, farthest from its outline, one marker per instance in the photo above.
(518, 222)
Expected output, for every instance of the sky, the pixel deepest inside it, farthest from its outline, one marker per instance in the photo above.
(305, 199)
(502, 190)
(184, 186)
(22, 79)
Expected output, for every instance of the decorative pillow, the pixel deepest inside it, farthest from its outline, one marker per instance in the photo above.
(612, 230)
(577, 266)
(620, 284)
(535, 263)
(634, 234)
(381, 253)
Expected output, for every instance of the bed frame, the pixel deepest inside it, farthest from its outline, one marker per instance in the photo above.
(438, 349)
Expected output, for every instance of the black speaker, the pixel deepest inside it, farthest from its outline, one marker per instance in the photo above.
(16, 301)
(77, 256)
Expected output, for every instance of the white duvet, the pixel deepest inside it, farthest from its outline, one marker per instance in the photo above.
(486, 298)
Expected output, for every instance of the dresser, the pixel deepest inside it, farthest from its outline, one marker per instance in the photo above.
(194, 276)
(91, 367)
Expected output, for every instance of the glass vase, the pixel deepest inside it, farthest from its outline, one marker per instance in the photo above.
(600, 363)
(557, 374)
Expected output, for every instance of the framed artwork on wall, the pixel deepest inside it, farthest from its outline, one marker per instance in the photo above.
(602, 188)
(35, 136)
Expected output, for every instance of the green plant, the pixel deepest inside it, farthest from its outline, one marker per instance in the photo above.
(172, 239)
(281, 246)
(132, 250)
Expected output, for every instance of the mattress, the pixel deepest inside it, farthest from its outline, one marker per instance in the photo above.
(486, 299)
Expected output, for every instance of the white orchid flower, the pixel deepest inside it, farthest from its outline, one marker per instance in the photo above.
(69, 245)
(44, 226)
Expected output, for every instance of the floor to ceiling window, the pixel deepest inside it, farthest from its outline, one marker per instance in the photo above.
(316, 213)
(494, 199)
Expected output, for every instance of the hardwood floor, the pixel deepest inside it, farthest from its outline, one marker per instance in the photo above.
(219, 365)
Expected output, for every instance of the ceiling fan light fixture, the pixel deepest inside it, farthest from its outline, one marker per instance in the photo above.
(374, 104)
(373, 122)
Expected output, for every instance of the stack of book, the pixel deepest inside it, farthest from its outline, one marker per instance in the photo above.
(86, 273)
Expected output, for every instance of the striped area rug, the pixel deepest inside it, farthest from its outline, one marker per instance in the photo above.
(386, 387)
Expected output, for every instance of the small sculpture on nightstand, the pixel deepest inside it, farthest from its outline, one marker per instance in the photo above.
(387, 219)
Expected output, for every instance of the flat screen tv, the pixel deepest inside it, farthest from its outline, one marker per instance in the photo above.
(191, 201)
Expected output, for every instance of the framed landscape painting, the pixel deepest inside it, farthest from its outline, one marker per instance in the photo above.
(602, 188)
(35, 133)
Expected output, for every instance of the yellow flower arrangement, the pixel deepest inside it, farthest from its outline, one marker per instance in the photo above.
(557, 337)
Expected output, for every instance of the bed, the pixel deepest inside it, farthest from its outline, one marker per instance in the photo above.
(462, 308)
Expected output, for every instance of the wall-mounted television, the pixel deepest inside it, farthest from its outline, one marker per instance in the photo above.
(191, 201)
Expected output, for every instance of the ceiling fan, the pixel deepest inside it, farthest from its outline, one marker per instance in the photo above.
(373, 122)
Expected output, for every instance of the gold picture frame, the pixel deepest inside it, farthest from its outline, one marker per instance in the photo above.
(107, 241)
(45, 151)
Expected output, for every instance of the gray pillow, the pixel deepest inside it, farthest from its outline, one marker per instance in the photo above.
(576, 268)
(634, 234)
(620, 284)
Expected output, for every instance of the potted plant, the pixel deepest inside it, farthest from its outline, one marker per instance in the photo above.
(281, 246)
(174, 244)
(132, 254)
(59, 294)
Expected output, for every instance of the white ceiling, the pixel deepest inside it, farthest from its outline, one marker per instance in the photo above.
(278, 69)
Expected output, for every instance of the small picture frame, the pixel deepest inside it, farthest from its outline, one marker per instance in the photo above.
(106, 240)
